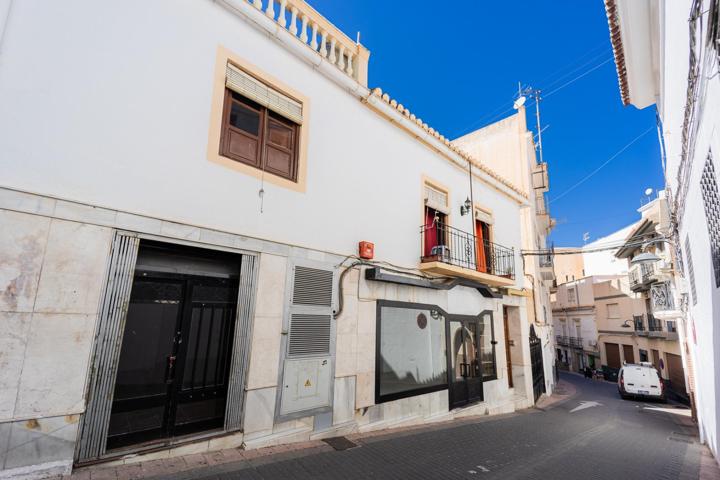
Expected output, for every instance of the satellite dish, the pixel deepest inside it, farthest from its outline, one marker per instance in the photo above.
(648, 191)
(519, 102)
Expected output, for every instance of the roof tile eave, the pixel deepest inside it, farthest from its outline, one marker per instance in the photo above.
(618, 52)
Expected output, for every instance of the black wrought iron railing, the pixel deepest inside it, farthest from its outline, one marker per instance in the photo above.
(654, 325)
(575, 342)
(442, 243)
(638, 321)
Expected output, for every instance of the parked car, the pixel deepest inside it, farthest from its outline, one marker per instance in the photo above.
(640, 380)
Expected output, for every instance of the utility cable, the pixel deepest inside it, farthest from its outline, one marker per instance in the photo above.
(604, 164)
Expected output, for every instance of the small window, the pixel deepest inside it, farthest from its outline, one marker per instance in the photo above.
(613, 310)
(643, 355)
(572, 295)
(411, 356)
(487, 346)
(256, 136)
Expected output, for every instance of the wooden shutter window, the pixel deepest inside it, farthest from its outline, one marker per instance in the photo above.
(280, 146)
(242, 128)
(256, 136)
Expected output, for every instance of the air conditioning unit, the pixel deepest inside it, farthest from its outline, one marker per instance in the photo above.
(441, 251)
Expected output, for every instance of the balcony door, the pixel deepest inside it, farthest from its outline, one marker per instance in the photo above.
(434, 233)
(482, 247)
(466, 379)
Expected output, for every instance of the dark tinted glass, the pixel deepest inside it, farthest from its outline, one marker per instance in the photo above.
(245, 119)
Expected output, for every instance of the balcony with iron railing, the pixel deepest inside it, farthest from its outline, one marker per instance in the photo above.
(448, 251)
(642, 276)
(572, 342)
(639, 326)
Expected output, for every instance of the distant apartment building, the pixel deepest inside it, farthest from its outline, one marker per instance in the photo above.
(667, 55)
(627, 315)
(213, 234)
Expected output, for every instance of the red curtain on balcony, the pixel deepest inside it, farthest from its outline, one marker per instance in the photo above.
(480, 247)
(431, 236)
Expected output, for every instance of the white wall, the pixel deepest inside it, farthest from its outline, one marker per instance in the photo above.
(701, 331)
(604, 262)
(109, 104)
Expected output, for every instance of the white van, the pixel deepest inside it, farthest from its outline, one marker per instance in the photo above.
(640, 380)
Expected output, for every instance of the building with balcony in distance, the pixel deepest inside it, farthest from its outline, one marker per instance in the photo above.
(621, 312)
(667, 56)
(213, 233)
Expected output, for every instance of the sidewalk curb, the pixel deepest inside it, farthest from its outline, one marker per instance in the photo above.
(555, 400)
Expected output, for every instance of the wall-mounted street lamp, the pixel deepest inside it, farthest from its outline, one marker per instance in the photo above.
(466, 207)
(645, 258)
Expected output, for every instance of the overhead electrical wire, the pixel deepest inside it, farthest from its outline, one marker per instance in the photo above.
(491, 116)
(604, 164)
(599, 248)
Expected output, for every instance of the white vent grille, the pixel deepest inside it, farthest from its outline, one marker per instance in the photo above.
(244, 84)
(309, 334)
(312, 287)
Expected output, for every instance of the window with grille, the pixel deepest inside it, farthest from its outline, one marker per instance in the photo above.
(690, 269)
(711, 199)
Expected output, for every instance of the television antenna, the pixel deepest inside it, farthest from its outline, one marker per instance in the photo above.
(523, 93)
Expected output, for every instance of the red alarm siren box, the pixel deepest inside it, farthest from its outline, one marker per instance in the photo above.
(366, 250)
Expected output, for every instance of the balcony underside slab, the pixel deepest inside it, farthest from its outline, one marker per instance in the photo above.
(445, 269)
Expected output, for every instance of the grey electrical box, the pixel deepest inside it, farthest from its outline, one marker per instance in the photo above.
(306, 385)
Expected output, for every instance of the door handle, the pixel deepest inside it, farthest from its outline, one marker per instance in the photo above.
(170, 369)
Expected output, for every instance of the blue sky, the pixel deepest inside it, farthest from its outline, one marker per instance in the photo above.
(457, 64)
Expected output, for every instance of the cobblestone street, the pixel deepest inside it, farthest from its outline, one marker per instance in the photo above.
(605, 437)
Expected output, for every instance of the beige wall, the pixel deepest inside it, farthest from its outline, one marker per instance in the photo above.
(568, 267)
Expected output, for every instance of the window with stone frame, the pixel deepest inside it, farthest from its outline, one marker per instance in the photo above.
(711, 199)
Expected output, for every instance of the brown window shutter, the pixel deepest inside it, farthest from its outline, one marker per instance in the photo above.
(241, 131)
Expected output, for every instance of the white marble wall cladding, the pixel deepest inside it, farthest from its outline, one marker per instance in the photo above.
(73, 267)
(14, 328)
(259, 410)
(22, 244)
(344, 401)
(267, 324)
(31, 442)
(56, 361)
(50, 279)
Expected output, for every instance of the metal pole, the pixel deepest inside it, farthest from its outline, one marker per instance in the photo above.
(539, 129)
(472, 215)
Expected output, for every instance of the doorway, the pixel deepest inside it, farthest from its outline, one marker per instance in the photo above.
(536, 358)
(508, 355)
(482, 247)
(465, 361)
(434, 232)
(172, 375)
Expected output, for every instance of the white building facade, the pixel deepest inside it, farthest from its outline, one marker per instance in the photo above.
(667, 55)
(181, 211)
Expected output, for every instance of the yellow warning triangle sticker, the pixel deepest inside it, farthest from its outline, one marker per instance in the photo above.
(307, 383)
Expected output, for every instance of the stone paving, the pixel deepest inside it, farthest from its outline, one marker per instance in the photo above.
(616, 440)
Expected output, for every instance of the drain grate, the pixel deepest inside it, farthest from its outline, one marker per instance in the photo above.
(340, 443)
(684, 440)
(683, 434)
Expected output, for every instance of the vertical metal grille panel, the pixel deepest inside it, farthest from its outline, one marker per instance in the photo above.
(312, 286)
(310, 312)
(711, 199)
(309, 334)
(690, 269)
(241, 350)
(108, 341)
